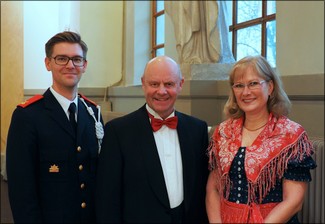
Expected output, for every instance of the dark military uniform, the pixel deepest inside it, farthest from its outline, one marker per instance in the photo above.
(51, 169)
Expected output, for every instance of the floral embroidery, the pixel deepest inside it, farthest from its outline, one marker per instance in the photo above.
(266, 159)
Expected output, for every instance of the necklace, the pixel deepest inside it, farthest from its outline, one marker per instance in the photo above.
(255, 128)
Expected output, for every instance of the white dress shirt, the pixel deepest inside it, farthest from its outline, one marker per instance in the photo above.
(65, 103)
(171, 160)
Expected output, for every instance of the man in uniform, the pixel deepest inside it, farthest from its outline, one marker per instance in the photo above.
(53, 143)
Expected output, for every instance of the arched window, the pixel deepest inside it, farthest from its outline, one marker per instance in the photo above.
(254, 29)
(158, 29)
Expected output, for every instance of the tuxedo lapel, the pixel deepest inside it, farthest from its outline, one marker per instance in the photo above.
(56, 112)
(151, 158)
(188, 160)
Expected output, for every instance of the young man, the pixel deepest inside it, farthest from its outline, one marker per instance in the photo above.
(52, 146)
(148, 173)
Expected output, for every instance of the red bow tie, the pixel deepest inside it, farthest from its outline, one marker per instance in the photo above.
(156, 124)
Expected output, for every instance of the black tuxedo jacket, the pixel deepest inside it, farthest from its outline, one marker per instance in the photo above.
(130, 182)
(51, 170)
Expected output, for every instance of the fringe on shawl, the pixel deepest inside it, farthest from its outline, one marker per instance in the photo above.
(211, 150)
(214, 163)
(276, 168)
(269, 174)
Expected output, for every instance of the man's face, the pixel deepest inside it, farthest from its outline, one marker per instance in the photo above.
(65, 76)
(161, 84)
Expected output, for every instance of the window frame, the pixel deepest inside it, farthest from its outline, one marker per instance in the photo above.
(235, 27)
(155, 15)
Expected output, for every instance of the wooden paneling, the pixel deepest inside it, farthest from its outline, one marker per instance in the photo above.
(12, 62)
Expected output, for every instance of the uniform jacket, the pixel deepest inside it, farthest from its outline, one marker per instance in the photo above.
(51, 170)
(130, 181)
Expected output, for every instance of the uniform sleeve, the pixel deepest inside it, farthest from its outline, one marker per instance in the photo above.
(22, 170)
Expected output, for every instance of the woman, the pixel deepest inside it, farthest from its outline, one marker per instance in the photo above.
(260, 160)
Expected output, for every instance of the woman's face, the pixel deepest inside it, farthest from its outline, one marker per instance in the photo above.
(251, 91)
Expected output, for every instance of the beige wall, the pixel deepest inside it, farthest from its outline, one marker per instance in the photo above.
(11, 63)
(300, 37)
(101, 26)
(137, 42)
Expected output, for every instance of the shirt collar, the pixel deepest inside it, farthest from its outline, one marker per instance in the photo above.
(64, 102)
(156, 115)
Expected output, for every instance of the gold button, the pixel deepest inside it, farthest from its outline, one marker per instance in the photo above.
(83, 205)
(79, 149)
(81, 167)
(82, 186)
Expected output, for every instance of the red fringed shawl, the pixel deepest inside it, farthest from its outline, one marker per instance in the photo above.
(266, 159)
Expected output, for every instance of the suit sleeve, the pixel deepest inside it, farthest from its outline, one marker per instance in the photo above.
(22, 170)
(204, 170)
(109, 179)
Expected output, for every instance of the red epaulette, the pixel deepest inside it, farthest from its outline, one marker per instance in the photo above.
(30, 101)
(88, 100)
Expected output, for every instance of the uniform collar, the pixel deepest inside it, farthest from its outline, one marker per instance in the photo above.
(64, 102)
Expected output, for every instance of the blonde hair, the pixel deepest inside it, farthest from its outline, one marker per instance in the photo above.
(278, 102)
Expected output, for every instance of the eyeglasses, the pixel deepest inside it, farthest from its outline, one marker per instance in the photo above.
(64, 60)
(251, 85)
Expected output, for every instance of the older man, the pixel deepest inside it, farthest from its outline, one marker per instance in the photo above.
(153, 163)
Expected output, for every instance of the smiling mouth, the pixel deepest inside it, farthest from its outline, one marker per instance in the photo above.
(160, 100)
(248, 100)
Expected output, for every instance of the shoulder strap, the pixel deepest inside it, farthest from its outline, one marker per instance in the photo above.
(86, 99)
(30, 101)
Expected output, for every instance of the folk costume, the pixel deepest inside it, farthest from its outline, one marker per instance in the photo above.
(249, 179)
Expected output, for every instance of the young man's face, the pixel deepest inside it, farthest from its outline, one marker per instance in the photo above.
(65, 76)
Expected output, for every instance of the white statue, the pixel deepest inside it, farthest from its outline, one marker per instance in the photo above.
(196, 32)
